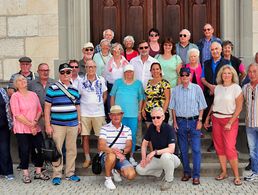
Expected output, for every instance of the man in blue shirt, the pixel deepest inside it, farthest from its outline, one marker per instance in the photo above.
(187, 104)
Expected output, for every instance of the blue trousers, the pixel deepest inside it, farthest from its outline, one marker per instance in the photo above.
(188, 135)
(252, 137)
(132, 123)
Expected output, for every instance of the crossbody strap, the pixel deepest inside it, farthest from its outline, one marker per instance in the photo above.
(66, 92)
(117, 136)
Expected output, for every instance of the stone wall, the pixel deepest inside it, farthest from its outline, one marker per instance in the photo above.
(28, 27)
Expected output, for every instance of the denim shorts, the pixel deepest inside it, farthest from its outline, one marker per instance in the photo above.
(119, 165)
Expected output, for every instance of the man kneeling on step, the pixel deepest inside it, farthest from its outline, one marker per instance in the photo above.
(162, 137)
(114, 159)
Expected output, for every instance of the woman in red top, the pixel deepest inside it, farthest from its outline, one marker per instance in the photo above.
(129, 51)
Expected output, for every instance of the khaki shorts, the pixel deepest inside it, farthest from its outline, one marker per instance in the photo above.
(92, 122)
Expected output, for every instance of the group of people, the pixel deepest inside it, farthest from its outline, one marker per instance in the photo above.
(112, 89)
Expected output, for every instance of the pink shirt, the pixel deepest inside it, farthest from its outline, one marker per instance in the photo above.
(26, 105)
(198, 73)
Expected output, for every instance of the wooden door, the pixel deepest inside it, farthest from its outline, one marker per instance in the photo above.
(136, 17)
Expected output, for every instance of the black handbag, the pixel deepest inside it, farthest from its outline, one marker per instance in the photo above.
(96, 161)
(49, 151)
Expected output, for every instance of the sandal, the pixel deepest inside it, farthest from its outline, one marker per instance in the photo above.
(26, 179)
(237, 181)
(221, 177)
(41, 176)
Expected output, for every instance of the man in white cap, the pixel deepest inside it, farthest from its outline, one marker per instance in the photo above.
(87, 51)
(114, 157)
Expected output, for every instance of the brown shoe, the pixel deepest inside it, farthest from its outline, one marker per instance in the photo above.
(185, 177)
(86, 164)
(196, 181)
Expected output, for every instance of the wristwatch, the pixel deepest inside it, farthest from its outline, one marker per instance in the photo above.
(200, 119)
(122, 151)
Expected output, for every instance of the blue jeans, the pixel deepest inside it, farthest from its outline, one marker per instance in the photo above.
(187, 133)
(132, 123)
(252, 137)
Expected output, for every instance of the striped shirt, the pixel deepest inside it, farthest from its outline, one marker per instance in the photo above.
(251, 103)
(187, 102)
(63, 111)
(109, 132)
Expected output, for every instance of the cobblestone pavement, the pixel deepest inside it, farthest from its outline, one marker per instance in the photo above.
(139, 186)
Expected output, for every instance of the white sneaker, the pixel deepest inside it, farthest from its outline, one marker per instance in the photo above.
(109, 184)
(133, 162)
(116, 175)
(251, 177)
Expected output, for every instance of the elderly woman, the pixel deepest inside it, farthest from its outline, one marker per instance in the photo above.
(101, 58)
(6, 165)
(157, 94)
(154, 42)
(129, 51)
(227, 105)
(163, 140)
(227, 49)
(27, 111)
(129, 87)
(195, 66)
(169, 61)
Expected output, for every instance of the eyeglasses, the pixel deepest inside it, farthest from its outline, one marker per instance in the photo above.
(253, 95)
(74, 66)
(182, 35)
(89, 49)
(154, 35)
(206, 29)
(184, 75)
(155, 117)
(47, 70)
(65, 72)
(145, 47)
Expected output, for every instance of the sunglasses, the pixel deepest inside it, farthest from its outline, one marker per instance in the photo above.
(182, 35)
(184, 75)
(47, 70)
(154, 35)
(253, 96)
(74, 66)
(145, 47)
(155, 117)
(65, 72)
(206, 29)
(89, 49)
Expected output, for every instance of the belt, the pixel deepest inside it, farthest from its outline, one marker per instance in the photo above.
(188, 118)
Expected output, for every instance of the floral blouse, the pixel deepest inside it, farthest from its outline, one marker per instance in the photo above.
(155, 94)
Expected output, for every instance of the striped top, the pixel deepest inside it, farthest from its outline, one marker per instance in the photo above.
(63, 111)
(109, 133)
(251, 103)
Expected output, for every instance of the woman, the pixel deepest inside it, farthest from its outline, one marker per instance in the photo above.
(227, 105)
(129, 87)
(227, 48)
(170, 62)
(27, 111)
(195, 66)
(154, 42)
(157, 94)
(101, 58)
(6, 165)
(129, 51)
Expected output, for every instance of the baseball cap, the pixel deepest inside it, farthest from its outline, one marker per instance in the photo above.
(88, 45)
(184, 70)
(64, 66)
(128, 67)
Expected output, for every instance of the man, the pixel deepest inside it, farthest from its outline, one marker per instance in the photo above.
(87, 51)
(74, 64)
(187, 104)
(205, 43)
(25, 66)
(107, 34)
(114, 157)
(184, 45)
(162, 138)
(209, 74)
(63, 122)
(93, 91)
(250, 92)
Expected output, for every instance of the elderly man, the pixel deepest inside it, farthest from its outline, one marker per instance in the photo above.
(114, 157)
(87, 51)
(209, 75)
(187, 104)
(204, 43)
(184, 45)
(162, 137)
(25, 66)
(250, 92)
(107, 34)
(93, 92)
(62, 122)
